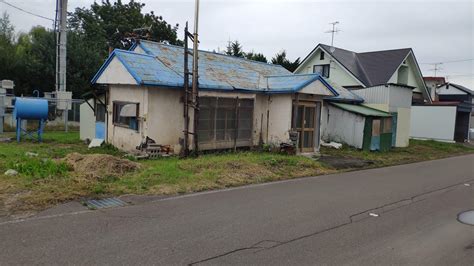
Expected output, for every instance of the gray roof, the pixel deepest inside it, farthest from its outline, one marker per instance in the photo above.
(371, 68)
(457, 86)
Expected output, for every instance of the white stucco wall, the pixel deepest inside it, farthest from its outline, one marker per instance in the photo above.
(441, 128)
(403, 127)
(122, 137)
(344, 127)
(316, 88)
(87, 121)
(165, 121)
(280, 111)
(116, 73)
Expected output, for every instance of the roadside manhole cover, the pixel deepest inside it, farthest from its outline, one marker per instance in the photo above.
(466, 217)
(105, 203)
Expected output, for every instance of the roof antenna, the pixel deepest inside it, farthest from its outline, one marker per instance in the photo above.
(436, 67)
(334, 30)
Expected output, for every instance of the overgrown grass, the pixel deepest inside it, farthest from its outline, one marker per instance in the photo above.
(44, 180)
(418, 150)
(174, 175)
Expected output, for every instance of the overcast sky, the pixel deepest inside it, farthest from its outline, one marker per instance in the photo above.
(438, 31)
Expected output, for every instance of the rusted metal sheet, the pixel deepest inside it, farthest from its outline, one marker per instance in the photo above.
(163, 65)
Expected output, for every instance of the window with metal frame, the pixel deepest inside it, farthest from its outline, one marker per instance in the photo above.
(125, 114)
(225, 119)
(322, 70)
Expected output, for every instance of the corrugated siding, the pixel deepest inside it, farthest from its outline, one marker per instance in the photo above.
(377, 94)
(344, 127)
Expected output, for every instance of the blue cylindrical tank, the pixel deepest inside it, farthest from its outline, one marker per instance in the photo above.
(31, 108)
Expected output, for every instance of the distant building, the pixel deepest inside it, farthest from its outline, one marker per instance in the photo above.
(432, 83)
(385, 80)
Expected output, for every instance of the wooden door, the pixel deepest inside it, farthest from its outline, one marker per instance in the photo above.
(306, 125)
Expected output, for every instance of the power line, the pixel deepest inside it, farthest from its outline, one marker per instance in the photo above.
(26, 11)
(436, 68)
(452, 61)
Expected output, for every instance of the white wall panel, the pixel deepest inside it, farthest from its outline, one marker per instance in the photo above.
(433, 122)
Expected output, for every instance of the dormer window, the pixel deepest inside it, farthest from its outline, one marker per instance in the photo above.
(321, 56)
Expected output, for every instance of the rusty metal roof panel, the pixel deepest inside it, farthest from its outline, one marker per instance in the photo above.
(163, 65)
(215, 70)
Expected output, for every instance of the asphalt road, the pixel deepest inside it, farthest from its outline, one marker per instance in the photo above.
(319, 220)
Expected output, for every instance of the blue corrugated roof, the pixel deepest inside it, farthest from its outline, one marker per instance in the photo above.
(163, 65)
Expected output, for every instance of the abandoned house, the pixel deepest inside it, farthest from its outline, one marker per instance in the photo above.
(385, 80)
(139, 93)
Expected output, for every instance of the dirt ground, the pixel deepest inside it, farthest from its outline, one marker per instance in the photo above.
(99, 166)
(337, 162)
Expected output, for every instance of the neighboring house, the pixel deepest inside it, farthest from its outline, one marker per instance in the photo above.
(447, 119)
(432, 83)
(359, 126)
(386, 80)
(364, 70)
(242, 102)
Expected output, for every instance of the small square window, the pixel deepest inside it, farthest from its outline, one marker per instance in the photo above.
(125, 114)
(322, 70)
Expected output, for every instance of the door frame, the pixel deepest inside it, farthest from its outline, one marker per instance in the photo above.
(316, 105)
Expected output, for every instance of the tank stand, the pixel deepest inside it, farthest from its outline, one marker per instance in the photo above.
(20, 130)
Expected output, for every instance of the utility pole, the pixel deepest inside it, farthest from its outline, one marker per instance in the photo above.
(62, 102)
(191, 98)
(334, 30)
(61, 41)
(196, 77)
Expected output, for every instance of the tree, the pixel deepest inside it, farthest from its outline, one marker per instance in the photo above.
(110, 24)
(6, 28)
(256, 57)
(235, 49)
(7, 48)
(280, 59)
(35, 61)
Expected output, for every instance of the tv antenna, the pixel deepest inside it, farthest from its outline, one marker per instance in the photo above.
(334, 30)
(436, 67)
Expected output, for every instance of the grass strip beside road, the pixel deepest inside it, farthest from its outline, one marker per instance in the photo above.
(45, 180)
